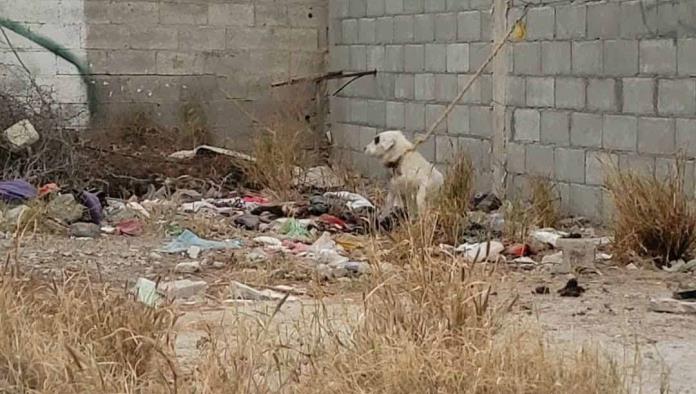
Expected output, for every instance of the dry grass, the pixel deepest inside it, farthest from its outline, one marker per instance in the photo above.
(76, 337)
(653, 218)
(544, 203)
(455, 198)
(518, 220)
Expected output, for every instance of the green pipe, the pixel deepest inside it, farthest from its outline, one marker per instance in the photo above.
(59, 51)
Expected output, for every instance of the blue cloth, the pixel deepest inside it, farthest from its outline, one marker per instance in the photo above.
(187, 239)
(16, 191)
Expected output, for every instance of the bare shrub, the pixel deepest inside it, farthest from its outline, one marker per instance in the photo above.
(53, 158)
(653, 218)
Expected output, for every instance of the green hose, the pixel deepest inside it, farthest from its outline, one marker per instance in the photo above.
(59, 51)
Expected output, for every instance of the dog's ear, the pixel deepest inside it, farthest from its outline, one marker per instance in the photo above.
(385, 143)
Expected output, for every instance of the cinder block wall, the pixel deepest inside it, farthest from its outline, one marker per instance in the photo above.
(157, 56)
(591, 80)
(424, 52)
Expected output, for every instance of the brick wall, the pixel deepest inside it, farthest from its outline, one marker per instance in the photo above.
(157, 56)
(592, 80)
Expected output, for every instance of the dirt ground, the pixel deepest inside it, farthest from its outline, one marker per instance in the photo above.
(613, 312)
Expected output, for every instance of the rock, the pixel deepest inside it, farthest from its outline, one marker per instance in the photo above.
(244, 292)
(21, 135)
(65, 209)
(256, 256)
(247, 222)
(12, 215)
(184, 288)
(555, 258)
(268, 241)
(670, 305)
(218, 265)
(155, 256)
(193, 252)
(571, 289)
(578, 253)
(188, 268)
(355, 267)
(85, 230)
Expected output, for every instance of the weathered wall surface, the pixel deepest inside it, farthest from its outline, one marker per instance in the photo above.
(62, 21)
(592, 79)
(159, 56)
(424, 52)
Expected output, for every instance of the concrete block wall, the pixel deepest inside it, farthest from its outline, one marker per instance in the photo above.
(592, 82)
(601, 81)
(158, 56)
(424, 52)
(62, 21)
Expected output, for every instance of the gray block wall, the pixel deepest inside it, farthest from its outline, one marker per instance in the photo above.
(158, 56)
(592, 82)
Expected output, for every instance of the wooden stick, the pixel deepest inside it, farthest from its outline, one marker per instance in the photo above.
(466, 88)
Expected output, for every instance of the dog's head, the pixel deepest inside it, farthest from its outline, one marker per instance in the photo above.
(388, 146)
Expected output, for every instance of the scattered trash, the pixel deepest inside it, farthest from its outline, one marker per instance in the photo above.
(256, 256)
(353, 201)
(519, 250)
(94, 206)
(294, 229)
(21, 135)
(525, 262)
(689, 294)
(555, 258)
(571, 289)
(248, 222)
(670, 305)
(187, 239)
(542, 290)
(482, 251)
(355, 267)
(132, 227)
(65, 209)
(138, 208)
(108, 229)
(189, 154)
(321, 177)
(16, 191)
(243, 292)
(486, 202)
(325, 251)
(332, 222)
(146, 292)
(632, 267)
(680, 266)
(47, 189)
(549, 236)
(193, 252)
(84, 230)
(188, 268)
(184, 288)
(318, 205)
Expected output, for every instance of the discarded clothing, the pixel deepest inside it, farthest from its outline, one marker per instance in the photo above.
(132, 227)
(16, 191)
(187, 239)
(94, 206)
(353, 201)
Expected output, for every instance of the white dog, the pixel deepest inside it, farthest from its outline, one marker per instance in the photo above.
(413, 180)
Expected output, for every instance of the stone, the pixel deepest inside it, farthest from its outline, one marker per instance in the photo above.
(193, 252)
(248, 222)
(669, 305)
(184, 288)
(268, 241)
(12, 215)
(555, 258)
(256, 256)
(84, 230)
(65, 209)
(188, 267)
(355, 268)
(577, 252)
(21, 135)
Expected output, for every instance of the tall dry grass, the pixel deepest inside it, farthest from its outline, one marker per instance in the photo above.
(454, 201)
(653, 218)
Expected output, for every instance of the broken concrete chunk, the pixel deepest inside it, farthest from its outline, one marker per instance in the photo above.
(578, 252)
(669, 305)
(194, 251)
(188, 268)
(85, 230)
(21, 135)
(146, 292)
(65, 209)
(243, 292)
(184, 288)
